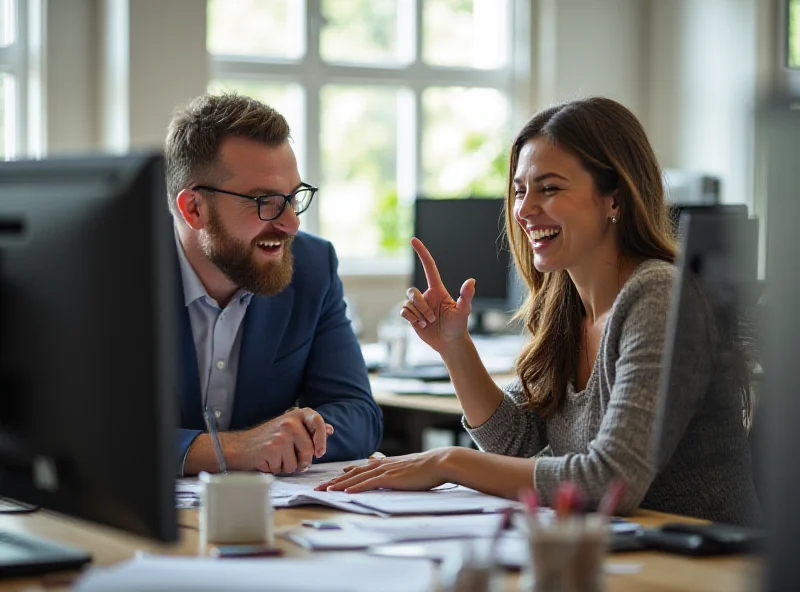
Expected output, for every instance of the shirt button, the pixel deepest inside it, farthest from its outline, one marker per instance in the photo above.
(220, 364)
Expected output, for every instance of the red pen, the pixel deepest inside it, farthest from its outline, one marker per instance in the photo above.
(566, 500)
(530, 500)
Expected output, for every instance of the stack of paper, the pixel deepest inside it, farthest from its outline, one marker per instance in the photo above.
(354, 535)
(297, 489)
(318, 574)
(511, 550)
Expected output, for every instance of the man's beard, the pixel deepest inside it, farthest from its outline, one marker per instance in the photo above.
(235, 259)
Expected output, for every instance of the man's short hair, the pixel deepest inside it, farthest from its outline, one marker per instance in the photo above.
(197, 130)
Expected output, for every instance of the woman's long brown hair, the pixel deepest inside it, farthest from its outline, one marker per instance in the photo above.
(612, 146)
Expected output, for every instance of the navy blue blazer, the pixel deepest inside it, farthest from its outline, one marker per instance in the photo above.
(297, 348)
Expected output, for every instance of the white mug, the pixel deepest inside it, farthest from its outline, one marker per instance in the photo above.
(236, 508)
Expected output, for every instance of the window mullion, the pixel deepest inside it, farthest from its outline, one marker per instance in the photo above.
(311, 79)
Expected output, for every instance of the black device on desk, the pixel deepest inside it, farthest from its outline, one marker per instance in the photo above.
(424, 372)
(702, 539)
(88, 348)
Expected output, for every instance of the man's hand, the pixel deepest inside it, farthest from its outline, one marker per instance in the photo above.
(285, 444)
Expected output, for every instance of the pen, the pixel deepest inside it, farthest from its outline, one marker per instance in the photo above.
(211, 424)
(531, 501)
(505, 524)
(322, 524)
(566, 500)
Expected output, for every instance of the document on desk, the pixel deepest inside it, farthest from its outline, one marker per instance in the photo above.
(511, 551)
(318, 574)
(450, 500)
(297, 489)
(357, 535)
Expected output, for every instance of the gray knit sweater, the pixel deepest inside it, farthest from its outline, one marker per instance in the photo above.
(610, 430)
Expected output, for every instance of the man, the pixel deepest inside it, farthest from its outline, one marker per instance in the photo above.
(263, 315)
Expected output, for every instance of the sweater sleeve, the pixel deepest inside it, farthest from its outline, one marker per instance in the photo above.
(623, 447)
(512, 430)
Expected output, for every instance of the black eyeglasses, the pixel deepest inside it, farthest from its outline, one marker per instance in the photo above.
(271, 206)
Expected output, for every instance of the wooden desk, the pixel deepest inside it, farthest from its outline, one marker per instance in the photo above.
(406, 417)
(429, 403)
(660, 572)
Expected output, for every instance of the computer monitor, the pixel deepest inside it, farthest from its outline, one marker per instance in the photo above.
(675, 210)
(718, 249)
(467, 240)
(88, 340)
(779, 120)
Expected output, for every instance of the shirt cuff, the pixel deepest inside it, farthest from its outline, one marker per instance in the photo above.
(182, 468)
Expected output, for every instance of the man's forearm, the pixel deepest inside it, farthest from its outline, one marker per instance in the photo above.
(201, 456)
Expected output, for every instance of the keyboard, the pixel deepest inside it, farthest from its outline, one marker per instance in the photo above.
(25, 555)
(427, 373)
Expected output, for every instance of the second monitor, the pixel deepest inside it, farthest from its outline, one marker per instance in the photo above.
(467, 240)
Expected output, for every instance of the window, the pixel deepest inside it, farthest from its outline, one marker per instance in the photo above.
(386, 99)
(793, 37)
(14, 52)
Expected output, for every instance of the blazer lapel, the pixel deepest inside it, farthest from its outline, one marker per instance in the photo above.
(191, 400)
(264, 325)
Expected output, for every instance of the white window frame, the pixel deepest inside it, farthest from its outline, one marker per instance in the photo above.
(23, 59)
(311, 72)
(792, 75)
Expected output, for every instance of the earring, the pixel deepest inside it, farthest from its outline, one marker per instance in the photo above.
(614, 219)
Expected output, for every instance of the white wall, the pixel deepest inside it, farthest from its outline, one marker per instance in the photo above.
(116, 69)
(590, 47)
(701, 89)
(70, 72)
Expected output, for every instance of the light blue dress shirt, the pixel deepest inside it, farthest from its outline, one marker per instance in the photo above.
(217, 334)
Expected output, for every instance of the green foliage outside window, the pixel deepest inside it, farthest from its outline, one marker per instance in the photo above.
(794, 34)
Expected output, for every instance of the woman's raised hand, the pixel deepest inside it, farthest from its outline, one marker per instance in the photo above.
(438, 319)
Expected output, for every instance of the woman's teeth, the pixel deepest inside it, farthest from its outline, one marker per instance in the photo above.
(545, 233)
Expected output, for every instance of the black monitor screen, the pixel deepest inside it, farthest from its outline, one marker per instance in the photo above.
(719, 251)
(466, 239)
(87, 340)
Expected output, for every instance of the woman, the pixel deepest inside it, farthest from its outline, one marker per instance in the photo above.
(589, 231)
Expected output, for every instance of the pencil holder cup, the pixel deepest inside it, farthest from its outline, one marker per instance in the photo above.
(566, 555)
(236, 508)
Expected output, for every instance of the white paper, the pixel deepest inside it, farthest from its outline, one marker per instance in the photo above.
(297, 489)
(348, 538)
(510, 552)
(362, 534)
(457, 500)
(184, 574)
(434, 527)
